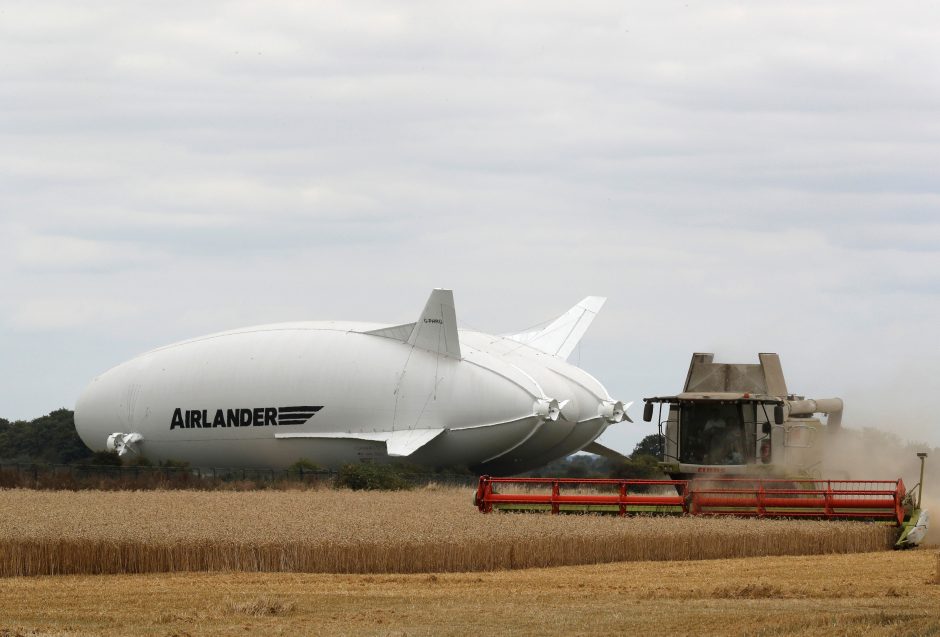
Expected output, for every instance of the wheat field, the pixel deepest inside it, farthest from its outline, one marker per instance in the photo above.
(339, 531)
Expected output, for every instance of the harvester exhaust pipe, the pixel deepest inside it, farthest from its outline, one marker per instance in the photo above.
(807, 407)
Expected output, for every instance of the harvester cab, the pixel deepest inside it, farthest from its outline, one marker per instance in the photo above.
(740, 420)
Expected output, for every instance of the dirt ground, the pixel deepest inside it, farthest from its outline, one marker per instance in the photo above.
(885, 593)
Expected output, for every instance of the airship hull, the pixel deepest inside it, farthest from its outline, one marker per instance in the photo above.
(336, 393)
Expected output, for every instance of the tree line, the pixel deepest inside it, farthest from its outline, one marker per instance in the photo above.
(49, 439)
(643, 462)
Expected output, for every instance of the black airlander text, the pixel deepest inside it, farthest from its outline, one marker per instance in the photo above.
(242, 417)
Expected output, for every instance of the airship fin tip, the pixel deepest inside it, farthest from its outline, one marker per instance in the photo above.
(435, 330)
(562, 335)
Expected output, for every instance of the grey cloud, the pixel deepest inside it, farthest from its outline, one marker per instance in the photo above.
(738, 177)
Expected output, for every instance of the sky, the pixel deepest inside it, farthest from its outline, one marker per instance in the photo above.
(735, 177)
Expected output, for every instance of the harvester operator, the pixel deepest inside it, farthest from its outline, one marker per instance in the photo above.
(724, 443)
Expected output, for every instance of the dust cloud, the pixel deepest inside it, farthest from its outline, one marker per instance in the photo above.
(873, 454)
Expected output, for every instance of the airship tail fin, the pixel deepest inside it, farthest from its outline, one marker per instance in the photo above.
(435, 329)
(563, 334)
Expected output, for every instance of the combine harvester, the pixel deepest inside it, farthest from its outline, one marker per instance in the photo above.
(736, 442)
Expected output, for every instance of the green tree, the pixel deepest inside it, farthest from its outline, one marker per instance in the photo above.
(638, 466)
(651, 445)
(49, 439)
(385, 477)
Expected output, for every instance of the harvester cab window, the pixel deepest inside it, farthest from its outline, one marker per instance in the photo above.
(712, 434)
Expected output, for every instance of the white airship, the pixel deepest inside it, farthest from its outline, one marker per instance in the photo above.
(335, 393)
